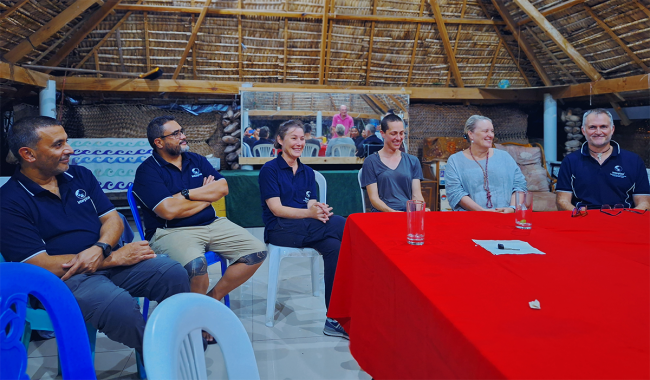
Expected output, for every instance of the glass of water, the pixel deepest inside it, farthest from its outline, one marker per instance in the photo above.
(415, 222)
(523, 209)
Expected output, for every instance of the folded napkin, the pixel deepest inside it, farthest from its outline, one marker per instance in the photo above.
(523, 247)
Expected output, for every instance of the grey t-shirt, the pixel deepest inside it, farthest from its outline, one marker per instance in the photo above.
(464, 177)
(395, 187)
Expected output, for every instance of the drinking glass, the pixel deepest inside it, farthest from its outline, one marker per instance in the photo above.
(523, 209)
(415, 222)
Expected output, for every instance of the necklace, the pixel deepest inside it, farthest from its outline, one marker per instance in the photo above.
(486, 180)
(600, 155)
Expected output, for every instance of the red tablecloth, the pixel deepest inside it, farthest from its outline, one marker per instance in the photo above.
(450, 309)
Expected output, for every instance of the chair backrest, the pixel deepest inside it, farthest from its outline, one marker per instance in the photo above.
(246, 150)
(311, 150)
(322, 187)
(363, 196)
(134, 210)
(369, 149)
(173, 346)
(263, 150)
(344, 150)
(17, 281)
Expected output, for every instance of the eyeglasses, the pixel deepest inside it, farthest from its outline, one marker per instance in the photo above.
(618, 209)
(579, 211)
(176, 134)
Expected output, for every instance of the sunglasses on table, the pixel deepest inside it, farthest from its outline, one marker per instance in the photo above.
(617, 209)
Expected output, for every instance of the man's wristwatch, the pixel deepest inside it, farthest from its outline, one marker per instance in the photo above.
(186, 194)
(106, 248)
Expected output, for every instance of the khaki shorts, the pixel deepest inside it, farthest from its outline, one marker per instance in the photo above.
(185, 244)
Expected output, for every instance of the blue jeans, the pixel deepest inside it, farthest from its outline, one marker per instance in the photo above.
(312, 233)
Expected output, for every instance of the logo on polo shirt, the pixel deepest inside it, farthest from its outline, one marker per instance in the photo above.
(618, 172)
(81, 194)
(196, 173)
(307, 194)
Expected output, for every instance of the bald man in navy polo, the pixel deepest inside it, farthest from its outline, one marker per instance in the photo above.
(56, 216)
(601, 173)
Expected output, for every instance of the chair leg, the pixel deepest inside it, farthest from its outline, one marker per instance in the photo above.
(27, 334)
(224, 266)
(315, 278)
(145, 309)
(272, 287)
(92, 339)
(142, 374)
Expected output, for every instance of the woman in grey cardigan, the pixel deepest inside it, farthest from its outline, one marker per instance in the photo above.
(482, 178)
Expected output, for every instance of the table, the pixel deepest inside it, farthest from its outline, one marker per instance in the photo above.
(244, 207)
(449, 309)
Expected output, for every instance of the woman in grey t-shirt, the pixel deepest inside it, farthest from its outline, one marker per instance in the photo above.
(482, 178)
(390, 176)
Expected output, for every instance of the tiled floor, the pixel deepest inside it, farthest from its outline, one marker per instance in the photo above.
(295, 348)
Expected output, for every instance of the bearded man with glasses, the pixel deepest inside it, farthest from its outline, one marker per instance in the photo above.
(176, 189)
(601, 173)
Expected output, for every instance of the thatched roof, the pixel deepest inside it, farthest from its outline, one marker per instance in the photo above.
(363, 45)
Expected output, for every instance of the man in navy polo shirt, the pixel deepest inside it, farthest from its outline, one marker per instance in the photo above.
(56, 216)
(177, 189)
(601, 173)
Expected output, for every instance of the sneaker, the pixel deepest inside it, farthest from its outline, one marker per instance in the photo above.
(333, 328)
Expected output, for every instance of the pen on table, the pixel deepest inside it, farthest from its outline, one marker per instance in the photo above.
(500, 246)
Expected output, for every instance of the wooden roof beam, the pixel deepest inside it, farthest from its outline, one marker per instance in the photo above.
(505, 44)
(107, 36)
(12, 9)
(643, 8)
(18, 74)
(195, 31)
(46, 31)
(550, 54)
(559, 39)
(88, 26)
(552, 10)
(302, 15)
(415, 45)
(442, 29)
(525, 46)
(620, 42)
(323, 41)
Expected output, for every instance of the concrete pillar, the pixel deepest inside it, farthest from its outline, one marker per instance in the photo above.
(319, 123)
(550, 128)
(47, 100)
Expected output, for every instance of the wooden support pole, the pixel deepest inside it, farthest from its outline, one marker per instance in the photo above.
(96, 59)
(323, 40)
(329, 52)
(11, 10)
(494, 61)
(118, 41)
(110, 33)
(620, 42)
(240, 48)
(46, 31)
(416, 41)
(525, 46)
(88, 26)
(504, 43)
(442, 29)
(195, 31)
(286, 38)
(643, 8)
(146, 41)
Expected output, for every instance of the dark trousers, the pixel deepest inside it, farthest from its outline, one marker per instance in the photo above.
(106, 297)
(312, 233)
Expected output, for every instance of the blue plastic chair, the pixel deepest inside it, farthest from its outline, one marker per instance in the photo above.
(173, 347)
(67, 321)
(210, 256)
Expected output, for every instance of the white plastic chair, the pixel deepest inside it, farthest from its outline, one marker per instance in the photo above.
(173, 346)
(263, 150)
(277, 253)
(344, 150)
(311, 150)
(363, 196)
(246, 150)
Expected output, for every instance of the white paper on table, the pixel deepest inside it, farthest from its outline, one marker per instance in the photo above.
(524, 247)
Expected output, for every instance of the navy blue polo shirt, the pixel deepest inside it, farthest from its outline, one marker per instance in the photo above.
(34, 220)
(157, 180)
(621, 176)
(276, 179)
